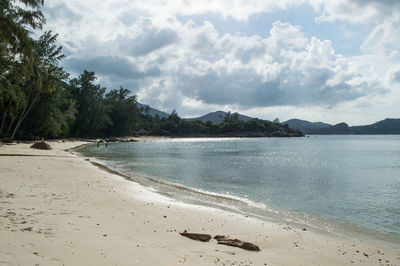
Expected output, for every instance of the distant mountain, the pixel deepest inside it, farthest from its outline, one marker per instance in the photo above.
(387, 126)
(216, 117)
(152, 111)
(305, 126)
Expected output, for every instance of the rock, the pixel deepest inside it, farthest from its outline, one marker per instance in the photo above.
(195, 236)
(237, 243)
(41, 146)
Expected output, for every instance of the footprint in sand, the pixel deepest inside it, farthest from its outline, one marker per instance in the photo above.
(6, 263)
(57, 260)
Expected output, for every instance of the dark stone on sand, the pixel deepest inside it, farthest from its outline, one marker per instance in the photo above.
(196, 236)
(237, 243)
(41, 146)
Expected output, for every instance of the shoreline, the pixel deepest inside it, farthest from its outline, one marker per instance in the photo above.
(330, 227)
(78, 214)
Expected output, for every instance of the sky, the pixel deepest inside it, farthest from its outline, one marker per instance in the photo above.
(317, 60)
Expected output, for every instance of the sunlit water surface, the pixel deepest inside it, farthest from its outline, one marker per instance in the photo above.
(353, 181)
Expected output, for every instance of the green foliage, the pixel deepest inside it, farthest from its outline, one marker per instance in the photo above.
(231, 126)
(16, 22)
(123, 112)
(92, 116)
(52, 116)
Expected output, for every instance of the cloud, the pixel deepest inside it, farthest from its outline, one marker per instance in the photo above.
(283, 69)
(385, 37)
(355, 11)
(60, 10)
(111, 66)
(394, 75)
(150, 40)
(174, 64)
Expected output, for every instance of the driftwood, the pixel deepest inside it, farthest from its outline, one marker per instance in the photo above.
(222, 240)
(195, 236)
(220, 237)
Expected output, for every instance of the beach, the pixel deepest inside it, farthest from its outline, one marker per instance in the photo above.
(57, 208)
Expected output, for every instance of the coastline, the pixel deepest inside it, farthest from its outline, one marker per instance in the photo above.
(246, 207)
(79, 214)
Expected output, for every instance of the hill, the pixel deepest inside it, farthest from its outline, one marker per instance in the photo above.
(216, 117)
(304, 126)
(387, 126)
(151, 111)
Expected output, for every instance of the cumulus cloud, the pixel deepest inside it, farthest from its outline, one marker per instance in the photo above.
(187, 64)
(355, 11)
(149, 41)
(286, 68)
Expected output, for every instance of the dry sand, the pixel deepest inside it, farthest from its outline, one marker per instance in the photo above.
(56, 208)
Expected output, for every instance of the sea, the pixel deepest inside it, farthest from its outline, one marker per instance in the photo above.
(344, 185)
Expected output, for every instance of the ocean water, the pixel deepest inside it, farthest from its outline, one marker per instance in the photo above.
(337, 182)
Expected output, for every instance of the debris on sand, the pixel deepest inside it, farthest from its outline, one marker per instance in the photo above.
(222, 240)
(41, 146)
(195, 236)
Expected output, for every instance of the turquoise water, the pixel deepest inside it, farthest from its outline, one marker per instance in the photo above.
(348, 180)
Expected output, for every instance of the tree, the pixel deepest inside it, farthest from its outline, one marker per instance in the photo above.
(17, 50)
(92, 116)
(52, 116)
(47, 75)
(16, 24)
(123, 112)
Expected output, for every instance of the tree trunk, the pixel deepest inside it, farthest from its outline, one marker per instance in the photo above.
(4, 119)
(10, 126)
(24, 114)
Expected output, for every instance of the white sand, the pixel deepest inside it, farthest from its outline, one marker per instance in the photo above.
(59, 209)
